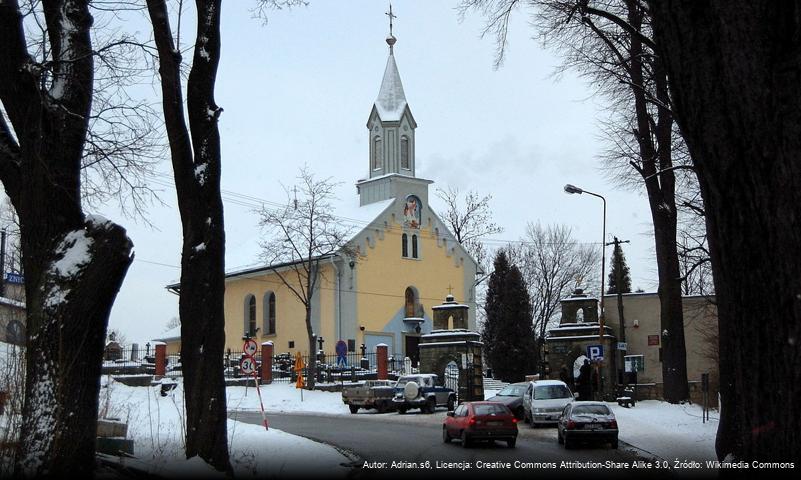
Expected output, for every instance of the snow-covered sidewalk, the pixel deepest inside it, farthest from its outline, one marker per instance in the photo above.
(155, 423)
(668, 431)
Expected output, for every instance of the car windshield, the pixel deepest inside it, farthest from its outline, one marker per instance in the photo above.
(512, 391)
(550, 392)
(490, 409)
(591, 410)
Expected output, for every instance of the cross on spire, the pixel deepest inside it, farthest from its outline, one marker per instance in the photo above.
(391, 16)
(391, 38)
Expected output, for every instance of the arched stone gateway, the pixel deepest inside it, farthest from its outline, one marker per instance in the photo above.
(445, 349)
(571, 340)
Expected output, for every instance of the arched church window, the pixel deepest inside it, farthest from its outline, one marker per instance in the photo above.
(405, 245)
(269, 313)
(250, 315)
(405, 153)
(377, 153)
(414, 246)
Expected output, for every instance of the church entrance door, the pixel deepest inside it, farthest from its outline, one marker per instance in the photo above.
(413, 349)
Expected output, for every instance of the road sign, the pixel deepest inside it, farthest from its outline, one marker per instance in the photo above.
(595, 352)
(15, 278)
(342, 353)
(622, 346)
(299, 369)
(250, 347)
(247, 365)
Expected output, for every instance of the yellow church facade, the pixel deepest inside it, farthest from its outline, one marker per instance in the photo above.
(400, 261)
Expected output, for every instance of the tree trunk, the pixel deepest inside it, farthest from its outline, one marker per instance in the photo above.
(197, 168)
(654, 137)
(734, 70)
(311, 368)
(66, 326)
(73, 266)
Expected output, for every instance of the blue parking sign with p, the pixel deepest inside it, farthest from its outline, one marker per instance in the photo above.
(595, 352)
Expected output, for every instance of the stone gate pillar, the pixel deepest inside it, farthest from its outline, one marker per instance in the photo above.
(267, 363)
(161, 359)
(382, 359)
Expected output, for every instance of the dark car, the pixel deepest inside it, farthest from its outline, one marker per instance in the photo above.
(512, 397)
(480, 421)
(587, 422)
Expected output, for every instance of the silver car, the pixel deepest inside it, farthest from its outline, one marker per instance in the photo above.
(544, 401)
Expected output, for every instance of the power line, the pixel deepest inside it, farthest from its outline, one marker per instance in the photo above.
(253, 202)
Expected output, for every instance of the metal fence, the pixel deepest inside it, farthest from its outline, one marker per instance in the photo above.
(330, 367)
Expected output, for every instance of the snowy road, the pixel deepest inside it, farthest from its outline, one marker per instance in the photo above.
(380, 439)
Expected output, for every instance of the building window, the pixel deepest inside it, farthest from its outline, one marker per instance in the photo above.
(414, 246)
(404, 245)
(250, 315)
(405, 153)
(269, 314)
(377, 153)
(410, 307)
(291, 344)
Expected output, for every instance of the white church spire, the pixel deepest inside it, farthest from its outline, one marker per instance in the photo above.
(391, 138)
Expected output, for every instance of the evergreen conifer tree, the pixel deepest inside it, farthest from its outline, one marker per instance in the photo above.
(508, 334)
(619, 262)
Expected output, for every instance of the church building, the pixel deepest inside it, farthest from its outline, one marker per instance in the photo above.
(406, 261)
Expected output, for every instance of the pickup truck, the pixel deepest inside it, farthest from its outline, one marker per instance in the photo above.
(369, 394)
(421, 391)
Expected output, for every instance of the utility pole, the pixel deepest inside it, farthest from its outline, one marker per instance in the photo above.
(618, 281)
(3, 263)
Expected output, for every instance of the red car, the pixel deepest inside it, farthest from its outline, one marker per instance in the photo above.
(480, 421)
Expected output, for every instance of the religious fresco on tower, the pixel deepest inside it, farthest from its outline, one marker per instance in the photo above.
(412, 212)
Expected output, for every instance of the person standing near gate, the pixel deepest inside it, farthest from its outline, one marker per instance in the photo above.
(566, 377)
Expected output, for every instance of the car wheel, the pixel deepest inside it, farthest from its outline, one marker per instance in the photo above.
(568, 444)
(451, 404)
(381, 407)
(511, 443)
(559, 437)
(465, 440)
(614, 444)
(353, 408)
(402, 410)
(446, 438)
(431, 405)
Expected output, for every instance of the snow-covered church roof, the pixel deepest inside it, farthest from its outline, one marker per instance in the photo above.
(391, 101)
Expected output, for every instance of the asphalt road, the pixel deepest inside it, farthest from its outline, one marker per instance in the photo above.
(414, 443)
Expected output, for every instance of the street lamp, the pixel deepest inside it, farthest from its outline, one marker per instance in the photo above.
(572, 189)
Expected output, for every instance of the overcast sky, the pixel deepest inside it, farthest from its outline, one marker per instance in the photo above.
(299, 90)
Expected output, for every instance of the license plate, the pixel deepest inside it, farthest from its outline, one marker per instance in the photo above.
(594, 426)
(494, 424)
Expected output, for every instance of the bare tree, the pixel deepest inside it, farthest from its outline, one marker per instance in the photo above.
(303, 235)
(732, 69)
(470, 220)
(74, 264)
(196, 162)
(611, 44)
(553, 264)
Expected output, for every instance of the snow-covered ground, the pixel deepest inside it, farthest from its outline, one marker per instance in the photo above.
(155, 424)
(285, 398)
(668, 431)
